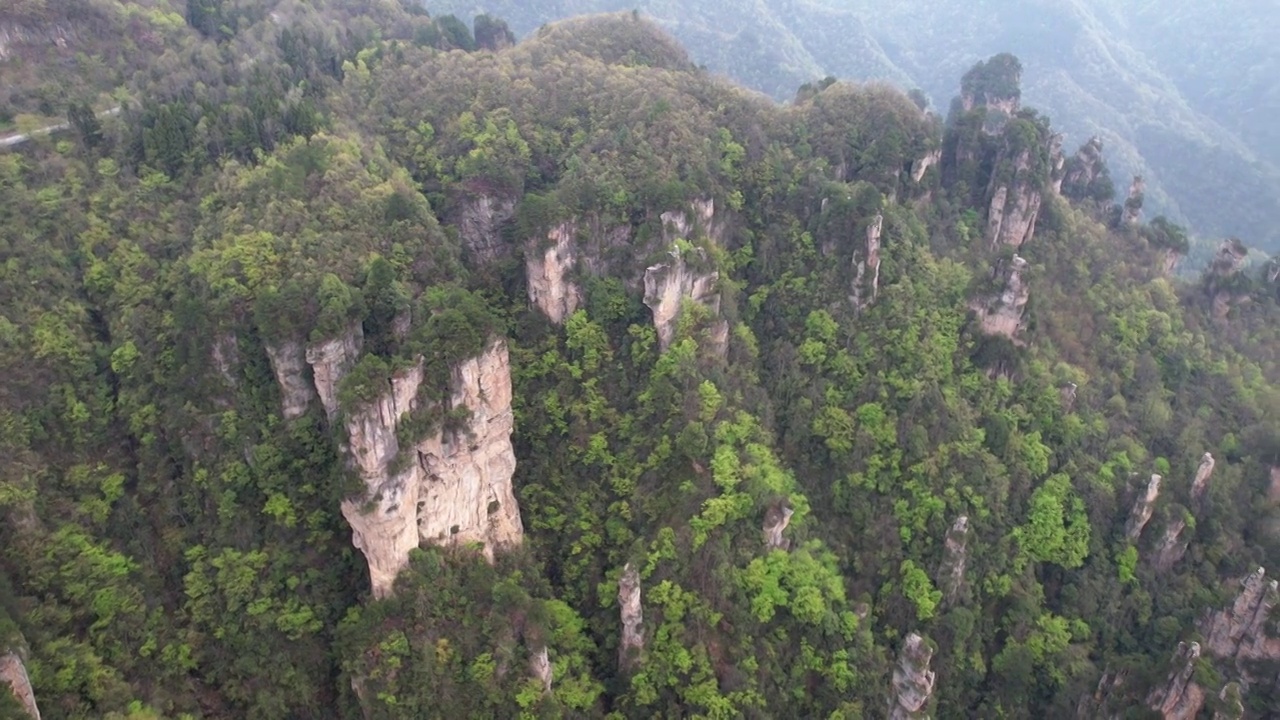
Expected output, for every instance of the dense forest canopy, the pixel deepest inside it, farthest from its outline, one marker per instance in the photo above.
(1179, 91)
(358, 362)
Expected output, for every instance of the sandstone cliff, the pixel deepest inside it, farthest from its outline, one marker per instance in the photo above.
(922, 165)
(288, 362)
(451, 488)
(479, 219)
(1133, 205)
(1179, 698)
(955, 557)
(14, 674)
(551, 287)
(632, 614)
(1200, 485)
(1173, 546)
(1084, 169)
(866, 266)
(330, 360)
(1003, 314)
(1015, 206)
(1143, 508)
(776, 521)
(668, 289)
(912, 680)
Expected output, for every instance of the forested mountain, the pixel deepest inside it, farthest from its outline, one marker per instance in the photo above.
(1180, 92)
(369, 364)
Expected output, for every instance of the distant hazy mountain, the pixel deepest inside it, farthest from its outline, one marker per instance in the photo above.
(1182, 92)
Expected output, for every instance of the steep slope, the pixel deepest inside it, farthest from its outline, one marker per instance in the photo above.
(404, 371)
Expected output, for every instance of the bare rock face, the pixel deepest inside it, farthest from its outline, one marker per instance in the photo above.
(955, 557)
(330, 360)
(922, 165)
(1003, 314)
(226, 357)
(14, 674)
(14, 37)
(540, 666)
(866, 264)
(1239, 632)
(550, 288)
(632, 616)
(1082, 170)
(776, 521)
(479, 219)
(452, 488)
(1200, 485)
(912, 680)
(288, 362)
(1133, 205)
(1172, 546)
(1143, 508)
(1015, 207)
(670, 285)
(1180, 698)
(1068, 394)
(1229, 258)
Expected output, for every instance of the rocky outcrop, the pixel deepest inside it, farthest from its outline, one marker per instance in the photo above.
(16, 36)
(1239, 632)
(14, 674)
(1015, 207)
(866, 266)
(1200, 485)
(1173, 546)
(1179, 698)
(1230, 703)
(551, 288)
(330, 360)
(912, 680)
(226, 357)
(1068, 394)
(451, 488)
(776, 521)
(669, 286)
(1003, 314)
(1133, 204)
(289, 362)
(632, 616)
(1143, 508)
(1229, 258)
(922, 165)
(1082, 171)
(479, 219)
(1096, 705)
(540, 667)
(955, 557)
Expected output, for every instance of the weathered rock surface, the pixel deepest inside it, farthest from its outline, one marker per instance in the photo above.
(330, 360)
(1239, 632)
(670, 285)
(1003, 314)
(226, 357)
(1200, 485)
(479, 220)
(452, 488)
(1068, 394)
(1082, 170)
(1172, 546)
(1231, 703)
(922, 165)
(632, 616)
(1015, 207)
(866, 265)
(1179, 698)
(1143, 508)
(540, 666)
(912, 680)
(776, 521)
(16, 36)
(955, 557)
(289, 362)
(14, 674)
(551, 288)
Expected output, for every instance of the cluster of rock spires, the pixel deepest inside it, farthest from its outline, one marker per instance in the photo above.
(13, 673)
(1235, 636)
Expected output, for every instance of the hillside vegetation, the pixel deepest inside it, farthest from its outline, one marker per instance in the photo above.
(839, 408)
